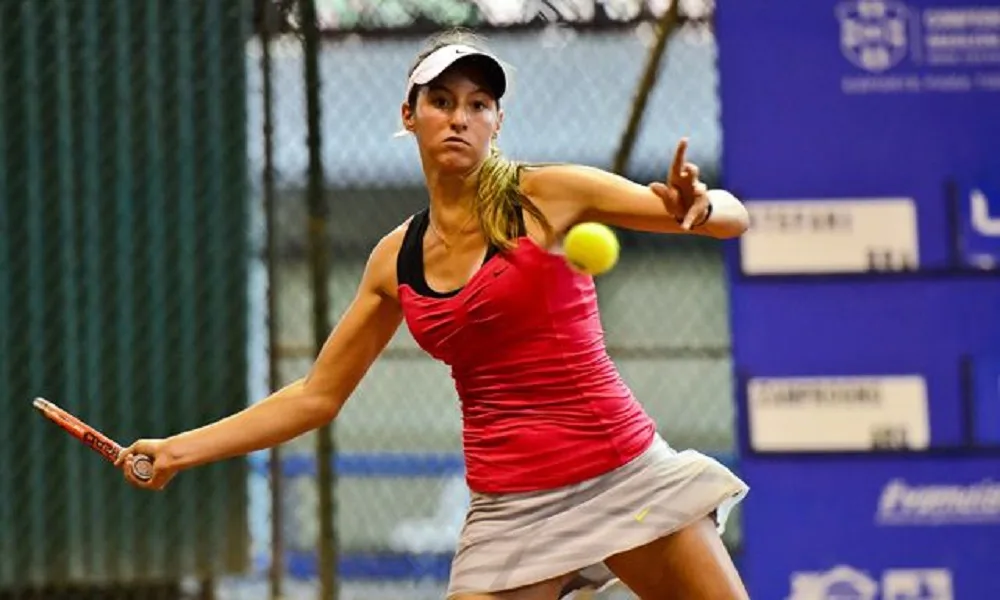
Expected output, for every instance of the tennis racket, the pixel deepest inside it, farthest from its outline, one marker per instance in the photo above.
(142, 466)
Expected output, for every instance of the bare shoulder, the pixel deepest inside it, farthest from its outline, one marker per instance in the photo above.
(380, 271)
(563, 192)
(553, 181)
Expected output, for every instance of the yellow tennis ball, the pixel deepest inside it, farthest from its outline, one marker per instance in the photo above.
(591, 248)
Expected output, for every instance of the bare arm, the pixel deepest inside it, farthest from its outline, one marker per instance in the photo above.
(365, 329)
(569, 194)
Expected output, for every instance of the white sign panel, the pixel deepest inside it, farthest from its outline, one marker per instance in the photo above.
(831, 414)
(830, 236)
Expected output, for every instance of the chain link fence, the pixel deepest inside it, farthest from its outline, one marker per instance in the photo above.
(160, 176)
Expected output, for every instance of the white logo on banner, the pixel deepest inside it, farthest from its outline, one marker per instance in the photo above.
(873, 33)
(982, 221)
(984, 225)
(917, 584)
(939, 504)
(840, 582)
(962, 43)
(847, 583)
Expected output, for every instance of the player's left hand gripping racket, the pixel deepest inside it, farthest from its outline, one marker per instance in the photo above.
(142, 466)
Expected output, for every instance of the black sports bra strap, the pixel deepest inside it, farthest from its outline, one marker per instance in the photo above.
(410, 260)
(522, 229)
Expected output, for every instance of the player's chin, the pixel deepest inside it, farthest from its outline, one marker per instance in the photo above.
(457, 161)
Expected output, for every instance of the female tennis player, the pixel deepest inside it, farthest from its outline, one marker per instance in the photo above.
(571, 484)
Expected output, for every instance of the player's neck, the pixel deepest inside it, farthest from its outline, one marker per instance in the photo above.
(452, 198)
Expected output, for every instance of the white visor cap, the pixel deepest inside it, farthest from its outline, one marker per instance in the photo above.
(437, 62)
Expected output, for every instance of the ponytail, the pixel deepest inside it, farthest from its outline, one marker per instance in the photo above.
(499, 201)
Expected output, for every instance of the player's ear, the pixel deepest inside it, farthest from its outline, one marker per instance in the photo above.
(499, 124)
(408, 114)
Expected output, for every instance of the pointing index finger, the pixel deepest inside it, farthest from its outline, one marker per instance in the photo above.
(676, 169)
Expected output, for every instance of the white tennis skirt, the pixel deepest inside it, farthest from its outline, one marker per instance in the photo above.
(513, 540)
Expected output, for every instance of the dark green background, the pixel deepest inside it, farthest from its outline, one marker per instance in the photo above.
(123, 278)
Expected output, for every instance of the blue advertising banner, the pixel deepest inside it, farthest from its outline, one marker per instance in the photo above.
(865, 528)
(864, 136)
(986, 399)
(862, 99)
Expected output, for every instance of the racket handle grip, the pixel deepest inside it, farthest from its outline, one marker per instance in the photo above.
(142, 467)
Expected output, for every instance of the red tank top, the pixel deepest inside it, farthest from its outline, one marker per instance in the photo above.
(543, 405)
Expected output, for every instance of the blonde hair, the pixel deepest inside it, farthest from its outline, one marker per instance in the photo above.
(499, 200)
